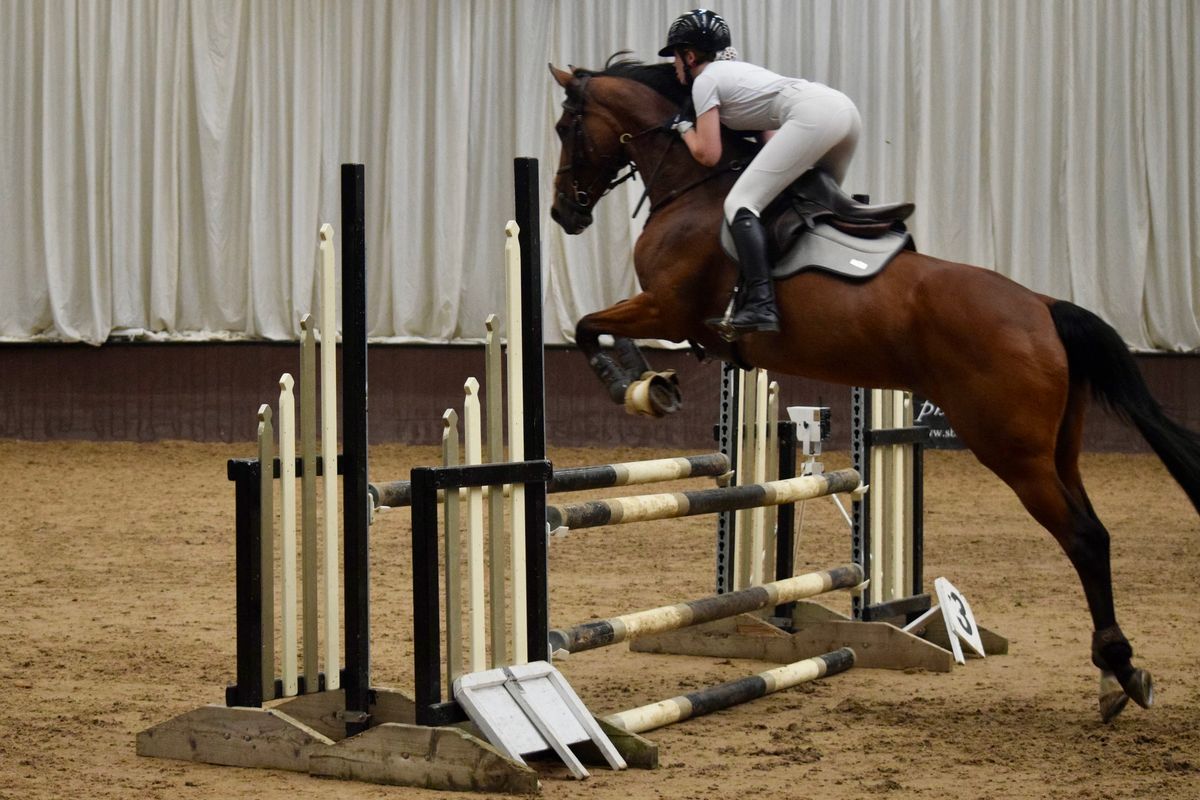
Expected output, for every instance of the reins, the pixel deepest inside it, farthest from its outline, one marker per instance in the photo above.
(733, 166)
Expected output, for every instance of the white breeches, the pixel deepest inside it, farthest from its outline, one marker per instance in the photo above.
(818, 127)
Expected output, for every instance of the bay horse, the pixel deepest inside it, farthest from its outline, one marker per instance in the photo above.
(1012, 369)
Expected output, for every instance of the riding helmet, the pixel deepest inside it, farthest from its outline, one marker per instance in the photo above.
(701, 29)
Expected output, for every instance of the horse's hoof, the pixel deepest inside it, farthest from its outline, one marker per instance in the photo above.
(1112, 697)
(1140, 688)
(655, 394)
(664, 393)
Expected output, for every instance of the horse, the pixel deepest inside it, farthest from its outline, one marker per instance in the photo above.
(1013, 370)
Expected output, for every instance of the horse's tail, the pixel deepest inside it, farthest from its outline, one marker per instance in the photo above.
(1098, 357)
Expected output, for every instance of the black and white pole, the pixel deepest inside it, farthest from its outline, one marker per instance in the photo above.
(642, 508)
(714, 698)
(601, 633)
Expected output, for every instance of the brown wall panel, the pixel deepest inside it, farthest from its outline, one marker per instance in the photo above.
(211, 392)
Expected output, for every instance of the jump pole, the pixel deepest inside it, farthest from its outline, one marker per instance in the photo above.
(329, 444)
(308, 502)
(516, 443)
(355, 497)
(601, 633)
(287, 535)
(494, 423)
(535, 617)
(642, 508)
(398, 494)
(714, 698)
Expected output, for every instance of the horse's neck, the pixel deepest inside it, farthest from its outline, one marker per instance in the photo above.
(668, 168)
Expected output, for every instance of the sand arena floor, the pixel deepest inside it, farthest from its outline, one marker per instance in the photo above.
(116, 585)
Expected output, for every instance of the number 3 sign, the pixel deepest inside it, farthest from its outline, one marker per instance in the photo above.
(960, 622)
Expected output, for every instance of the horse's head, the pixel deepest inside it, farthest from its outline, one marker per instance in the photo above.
(592, 153)
(598, 127)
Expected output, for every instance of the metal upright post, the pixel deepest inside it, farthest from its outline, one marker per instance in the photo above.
(727, 444)
(525, 174)
(355, 497)
(860, 460)
(248, 691)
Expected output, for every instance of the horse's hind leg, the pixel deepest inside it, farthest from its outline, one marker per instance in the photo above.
(1109, 645)
(1066, 513)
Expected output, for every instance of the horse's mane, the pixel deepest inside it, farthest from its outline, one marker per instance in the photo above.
(660, 77)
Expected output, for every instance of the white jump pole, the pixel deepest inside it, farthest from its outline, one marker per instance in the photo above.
(758, 516)
(742, 471)
(495, 445)
(452, 553)
(287, 528)
(770, 473)
(308, 501)
(329, 456)
(879, 460)
(266, 504)
(516, 440)
(899, 482)
(473, 441)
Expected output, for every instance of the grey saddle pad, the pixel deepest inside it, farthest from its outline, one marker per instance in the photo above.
(825, 247)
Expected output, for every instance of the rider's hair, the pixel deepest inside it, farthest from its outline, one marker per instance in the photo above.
(703, 56)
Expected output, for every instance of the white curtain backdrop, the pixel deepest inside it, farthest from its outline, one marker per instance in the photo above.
(167, 164)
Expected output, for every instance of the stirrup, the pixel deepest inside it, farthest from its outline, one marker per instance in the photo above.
(723, 325)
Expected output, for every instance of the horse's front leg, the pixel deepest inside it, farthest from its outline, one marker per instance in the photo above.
(628, 378)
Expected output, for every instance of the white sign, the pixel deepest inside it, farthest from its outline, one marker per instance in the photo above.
(960, 622)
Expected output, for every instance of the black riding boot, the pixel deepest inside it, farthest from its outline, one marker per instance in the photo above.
(755, 310)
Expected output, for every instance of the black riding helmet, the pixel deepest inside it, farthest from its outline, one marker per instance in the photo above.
(700, 29)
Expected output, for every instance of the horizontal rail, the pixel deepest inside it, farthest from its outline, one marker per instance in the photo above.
(398, 494)
(714, 698)
(642, 508)
(601, 633)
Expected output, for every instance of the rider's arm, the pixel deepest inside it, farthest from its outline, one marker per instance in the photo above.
(704, 139)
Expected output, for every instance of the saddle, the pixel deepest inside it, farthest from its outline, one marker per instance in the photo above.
(816, 198)
(836, 232)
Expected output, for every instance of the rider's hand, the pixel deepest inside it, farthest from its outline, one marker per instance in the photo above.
(681, 124)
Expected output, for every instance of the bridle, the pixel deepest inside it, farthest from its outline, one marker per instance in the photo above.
(582, 199)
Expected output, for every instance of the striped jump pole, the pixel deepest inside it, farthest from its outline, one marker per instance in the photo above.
(647, 507)
(714, 698)
(601, 633)
(633, 473)
(398, 494)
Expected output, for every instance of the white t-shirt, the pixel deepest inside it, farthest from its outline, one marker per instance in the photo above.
(743, 92)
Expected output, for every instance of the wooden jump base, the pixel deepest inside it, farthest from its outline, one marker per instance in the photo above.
(644, 508)
(398, 494)
(602, 633)
(706, 701)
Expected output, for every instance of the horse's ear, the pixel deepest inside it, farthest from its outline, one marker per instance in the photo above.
(564, 78)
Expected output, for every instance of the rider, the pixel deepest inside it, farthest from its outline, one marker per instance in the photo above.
(803, 124)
